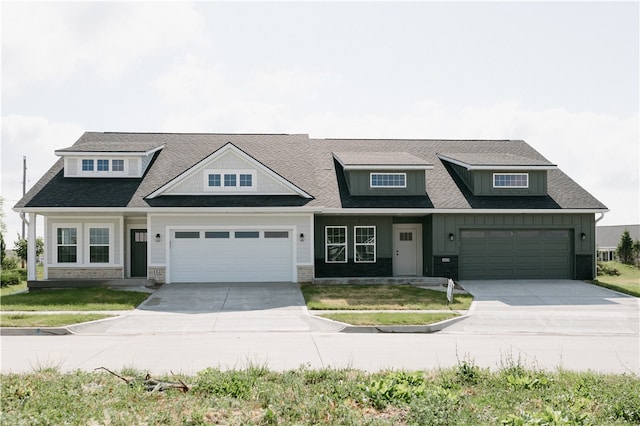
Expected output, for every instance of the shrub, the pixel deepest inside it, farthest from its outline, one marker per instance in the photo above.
(9, 263)
(604, 269)
(12, 277)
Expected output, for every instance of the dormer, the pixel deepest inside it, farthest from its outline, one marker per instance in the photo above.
(500, 174)
(383, 173)
(93, 161)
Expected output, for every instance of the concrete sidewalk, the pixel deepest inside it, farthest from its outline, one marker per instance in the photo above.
(548, 307)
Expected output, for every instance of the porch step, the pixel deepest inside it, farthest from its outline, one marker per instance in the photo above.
(76, 283)
(415, 281)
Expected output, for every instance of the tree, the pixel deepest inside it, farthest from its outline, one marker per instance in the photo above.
(3, 229)
(21, 247)
(625, 248)
(3, 248)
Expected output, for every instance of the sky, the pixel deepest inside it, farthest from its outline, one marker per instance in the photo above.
(564, 76)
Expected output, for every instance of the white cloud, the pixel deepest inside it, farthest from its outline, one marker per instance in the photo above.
(52, 41)
(36, 138)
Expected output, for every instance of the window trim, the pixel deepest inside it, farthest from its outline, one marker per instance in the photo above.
(77, 245)
(88, 244)
(356, 244)
(327, 244)
(526, 186)
(229, 188)
(372, 186)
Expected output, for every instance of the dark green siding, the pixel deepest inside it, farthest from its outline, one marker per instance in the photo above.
(480, 182)
(360, 184)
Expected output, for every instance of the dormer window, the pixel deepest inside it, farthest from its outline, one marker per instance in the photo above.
(388, 180)
(117, 165)
(510, 180)
(87, 165)
(103, 165)
(230, 180)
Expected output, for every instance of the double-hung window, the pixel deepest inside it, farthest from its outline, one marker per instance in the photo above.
(99, 245)
(336, 244)
(365, 244)
(67, 244)
(510, 180)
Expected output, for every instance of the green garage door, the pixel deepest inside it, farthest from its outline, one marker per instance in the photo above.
(515, 253)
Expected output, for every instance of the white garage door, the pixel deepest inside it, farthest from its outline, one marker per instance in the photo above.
(231, 255)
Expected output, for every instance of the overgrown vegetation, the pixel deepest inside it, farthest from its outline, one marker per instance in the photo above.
(462, 395)
(380, 297)
(76, 299)
(620, 277)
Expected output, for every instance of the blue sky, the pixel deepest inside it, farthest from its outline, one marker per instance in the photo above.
(562, 76)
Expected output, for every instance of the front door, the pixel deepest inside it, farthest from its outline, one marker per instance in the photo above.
(407, 249)
(138, 253)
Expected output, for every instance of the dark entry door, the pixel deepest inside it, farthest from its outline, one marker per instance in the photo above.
(138, 253)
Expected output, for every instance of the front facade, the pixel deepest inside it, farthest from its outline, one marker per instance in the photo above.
(235, 208)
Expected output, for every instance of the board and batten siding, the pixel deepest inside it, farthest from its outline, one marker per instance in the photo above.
(159, 223)
(480, 182)
(359, 182)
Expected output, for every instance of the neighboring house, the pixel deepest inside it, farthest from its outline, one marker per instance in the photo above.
(249, 207)
(608, 238)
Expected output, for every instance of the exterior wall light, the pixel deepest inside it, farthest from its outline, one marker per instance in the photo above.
(157, 238)
(583, 236)
(301, 237)
(451, 236)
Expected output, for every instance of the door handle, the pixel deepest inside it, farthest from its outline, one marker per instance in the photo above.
(397, 253)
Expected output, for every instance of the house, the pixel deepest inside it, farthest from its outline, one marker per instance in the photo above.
(608, 238)
(250, 207)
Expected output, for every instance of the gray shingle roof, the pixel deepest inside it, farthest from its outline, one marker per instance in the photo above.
(494, 159)
(609, 236)
(307, 163)
(379, 159)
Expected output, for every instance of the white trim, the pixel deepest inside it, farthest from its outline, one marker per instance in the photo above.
(228, 147)
(61, 153)
(417, 227)
(356, 244)
(87, 244)
(346, 244)
(372, 186)
(54, 244)
(497, 166)
(382, 166)
(507, 186)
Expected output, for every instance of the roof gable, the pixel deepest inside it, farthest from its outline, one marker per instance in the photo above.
(232, 161)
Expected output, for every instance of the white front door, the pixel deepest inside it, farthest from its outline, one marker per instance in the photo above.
(407, 250)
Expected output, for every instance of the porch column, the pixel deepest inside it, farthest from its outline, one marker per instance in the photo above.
(32, 260)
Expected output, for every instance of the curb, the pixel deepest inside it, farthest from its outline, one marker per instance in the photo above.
(431, 328)
(34, 331)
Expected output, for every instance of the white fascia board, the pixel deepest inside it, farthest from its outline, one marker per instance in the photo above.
(108, 153)
(229, 146)
(497, 167)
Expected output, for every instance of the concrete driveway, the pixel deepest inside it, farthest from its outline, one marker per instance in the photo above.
(209, 307)
(548, 307)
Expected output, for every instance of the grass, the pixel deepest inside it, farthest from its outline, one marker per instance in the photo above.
(389, 318)
(380, 297)
(462, 395)
(44, 320)
(11, 289)
(77, 299)
(627, 282)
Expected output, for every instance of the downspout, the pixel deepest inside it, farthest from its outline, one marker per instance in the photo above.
(595, 244)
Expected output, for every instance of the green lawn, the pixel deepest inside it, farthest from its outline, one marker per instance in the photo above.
(389, 318)
(461, 395)
(45, 320)
(10, 289)
(627, 282)
(380, 297)
(77, 299)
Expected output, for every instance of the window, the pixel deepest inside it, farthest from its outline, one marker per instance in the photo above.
(229, 180)
(336, 244)
(67, 245)
(214, 179)
(188, 234)
(98, 245)
(246, 180)
(510, 180)
(87, 165)
(216, 234)
(406, 236)
(388, 180)
(247, 234)
(276, 234)
(103, 165)
(365, 244)
(117, 165)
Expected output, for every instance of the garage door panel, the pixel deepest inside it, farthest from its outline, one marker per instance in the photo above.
(232, 256)
(536, 253)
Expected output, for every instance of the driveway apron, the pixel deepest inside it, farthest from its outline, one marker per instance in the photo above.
(548, 307)
(215, 307)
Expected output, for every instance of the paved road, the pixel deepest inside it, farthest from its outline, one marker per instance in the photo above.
(521, 322)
